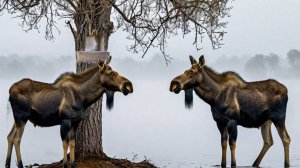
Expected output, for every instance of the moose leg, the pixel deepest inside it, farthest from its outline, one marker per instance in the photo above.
(224, 139)
(286, 140)
(65, 158)
(268, 141)
(72, 145)
(64, 133)
(232, 130)
(17, 141)
(10, 138)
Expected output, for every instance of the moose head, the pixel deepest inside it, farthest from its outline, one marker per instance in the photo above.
(188, 80)
(113, 82)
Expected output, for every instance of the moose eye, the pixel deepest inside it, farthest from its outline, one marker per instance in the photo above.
(190, 72)
(112, 73)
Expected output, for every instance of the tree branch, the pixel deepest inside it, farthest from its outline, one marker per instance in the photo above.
(149, 22)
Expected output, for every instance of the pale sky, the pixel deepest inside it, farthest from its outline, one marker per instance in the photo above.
(255, 26)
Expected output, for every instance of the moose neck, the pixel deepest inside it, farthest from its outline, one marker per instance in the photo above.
(91, 90)
(209, 88)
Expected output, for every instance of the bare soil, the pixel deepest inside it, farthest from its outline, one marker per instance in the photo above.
(97, 162)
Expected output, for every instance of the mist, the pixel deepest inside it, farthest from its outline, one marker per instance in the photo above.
(153, 122)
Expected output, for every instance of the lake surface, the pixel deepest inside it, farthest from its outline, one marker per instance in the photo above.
(153, 123)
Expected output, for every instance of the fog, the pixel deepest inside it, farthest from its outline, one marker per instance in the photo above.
(153, 122)
(255, 26)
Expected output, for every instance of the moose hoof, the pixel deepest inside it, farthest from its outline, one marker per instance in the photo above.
(7, 163)
(255, 164)
(65, 165)
(20, 165)
(73, 165)
(286, 164)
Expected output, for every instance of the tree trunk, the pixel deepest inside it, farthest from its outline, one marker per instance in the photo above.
(96, 31)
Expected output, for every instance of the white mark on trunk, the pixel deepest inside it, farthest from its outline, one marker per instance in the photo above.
(91, 43)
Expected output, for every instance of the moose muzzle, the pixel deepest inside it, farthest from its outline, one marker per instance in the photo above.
(127, 88)
(175, 86)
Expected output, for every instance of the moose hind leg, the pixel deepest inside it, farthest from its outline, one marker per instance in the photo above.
(286, 140)
(17, 141)
(10, 138)
(268, 141)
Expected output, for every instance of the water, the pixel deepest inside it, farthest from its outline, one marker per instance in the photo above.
(153, 123)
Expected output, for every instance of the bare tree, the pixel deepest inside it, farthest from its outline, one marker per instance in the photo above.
(149, 23)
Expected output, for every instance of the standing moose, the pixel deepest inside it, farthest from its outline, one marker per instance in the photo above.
(236, 102)
(61, 103)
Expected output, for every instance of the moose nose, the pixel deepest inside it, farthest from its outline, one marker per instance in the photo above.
(127, 88)
(175, 86)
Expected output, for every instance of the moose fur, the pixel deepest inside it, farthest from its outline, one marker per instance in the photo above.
(236, 102)
(61, 103)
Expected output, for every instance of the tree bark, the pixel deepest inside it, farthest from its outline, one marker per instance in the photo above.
(89, 132)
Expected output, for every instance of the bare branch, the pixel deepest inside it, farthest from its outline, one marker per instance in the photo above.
(72, 28)
(72, 4)
(152, 22)
(149, 22)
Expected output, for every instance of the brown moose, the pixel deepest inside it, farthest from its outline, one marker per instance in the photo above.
(61, 103)
(236, 102)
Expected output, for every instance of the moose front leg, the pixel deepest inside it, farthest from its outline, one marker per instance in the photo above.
(72, 144)
(65, 128)
(224, 138)
(232, 130)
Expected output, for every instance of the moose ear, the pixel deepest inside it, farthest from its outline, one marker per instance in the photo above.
(107, 61)
(100, 63)
(201, 60)
(192, 59)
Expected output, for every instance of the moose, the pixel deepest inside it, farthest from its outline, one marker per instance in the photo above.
(236, 102)
(61, 103)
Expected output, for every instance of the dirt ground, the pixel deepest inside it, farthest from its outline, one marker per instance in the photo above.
(100, 163)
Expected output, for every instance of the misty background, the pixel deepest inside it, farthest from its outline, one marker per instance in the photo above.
(262, 41)
(153, 122)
